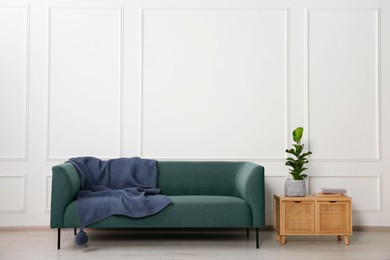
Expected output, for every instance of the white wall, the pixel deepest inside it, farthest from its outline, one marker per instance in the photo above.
(195, 80)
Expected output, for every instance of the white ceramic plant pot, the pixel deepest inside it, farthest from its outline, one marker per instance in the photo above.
(295, 188)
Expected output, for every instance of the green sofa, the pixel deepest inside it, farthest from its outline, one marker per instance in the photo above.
(204, 195)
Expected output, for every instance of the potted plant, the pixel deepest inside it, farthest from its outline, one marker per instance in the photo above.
(296, 186)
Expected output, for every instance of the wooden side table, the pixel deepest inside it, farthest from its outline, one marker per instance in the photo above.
(312, 215)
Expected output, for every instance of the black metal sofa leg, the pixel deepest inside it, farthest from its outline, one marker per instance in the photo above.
(59, 239)
(257, 238)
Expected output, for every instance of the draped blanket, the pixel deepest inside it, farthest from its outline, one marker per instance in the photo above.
(124, 186)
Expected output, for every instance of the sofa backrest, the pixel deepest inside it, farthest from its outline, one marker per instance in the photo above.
(197, 178)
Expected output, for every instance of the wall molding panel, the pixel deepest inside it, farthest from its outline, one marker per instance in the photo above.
(15, 81)
(323, 106)
(365, 200)
(351, 181)
(106, 104)
(48, 180)
(149, 137)
(14, 193)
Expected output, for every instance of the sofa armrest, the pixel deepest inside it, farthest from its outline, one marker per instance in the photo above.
(250, 187)
(65, 187)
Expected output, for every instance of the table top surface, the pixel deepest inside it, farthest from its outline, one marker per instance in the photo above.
(311, 197)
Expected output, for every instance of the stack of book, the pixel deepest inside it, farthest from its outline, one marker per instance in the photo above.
(331, 192)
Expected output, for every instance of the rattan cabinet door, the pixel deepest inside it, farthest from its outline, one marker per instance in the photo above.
(299, 217)
(334, 217)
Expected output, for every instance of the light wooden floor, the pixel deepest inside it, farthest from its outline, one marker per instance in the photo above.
(40, 243)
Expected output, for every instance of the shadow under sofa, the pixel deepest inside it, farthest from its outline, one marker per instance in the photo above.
(210, 194)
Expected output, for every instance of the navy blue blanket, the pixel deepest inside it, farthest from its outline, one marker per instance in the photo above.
(124, 186)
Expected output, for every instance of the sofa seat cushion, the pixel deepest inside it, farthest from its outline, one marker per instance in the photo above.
(185, 211)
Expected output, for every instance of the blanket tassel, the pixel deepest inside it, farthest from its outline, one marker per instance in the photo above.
(81, 238)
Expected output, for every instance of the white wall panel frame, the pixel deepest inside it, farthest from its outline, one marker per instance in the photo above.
(141, 30)
(24, 179)
(378, 141)
(120, 10)
(47, 199)
(349, 177)
(344, 176)
(24, 155)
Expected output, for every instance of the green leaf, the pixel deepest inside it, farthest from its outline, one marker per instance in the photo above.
(297, 134)
(298, 148)
(292, 151)
(305, 154)
(304, 176)
(290, 163)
